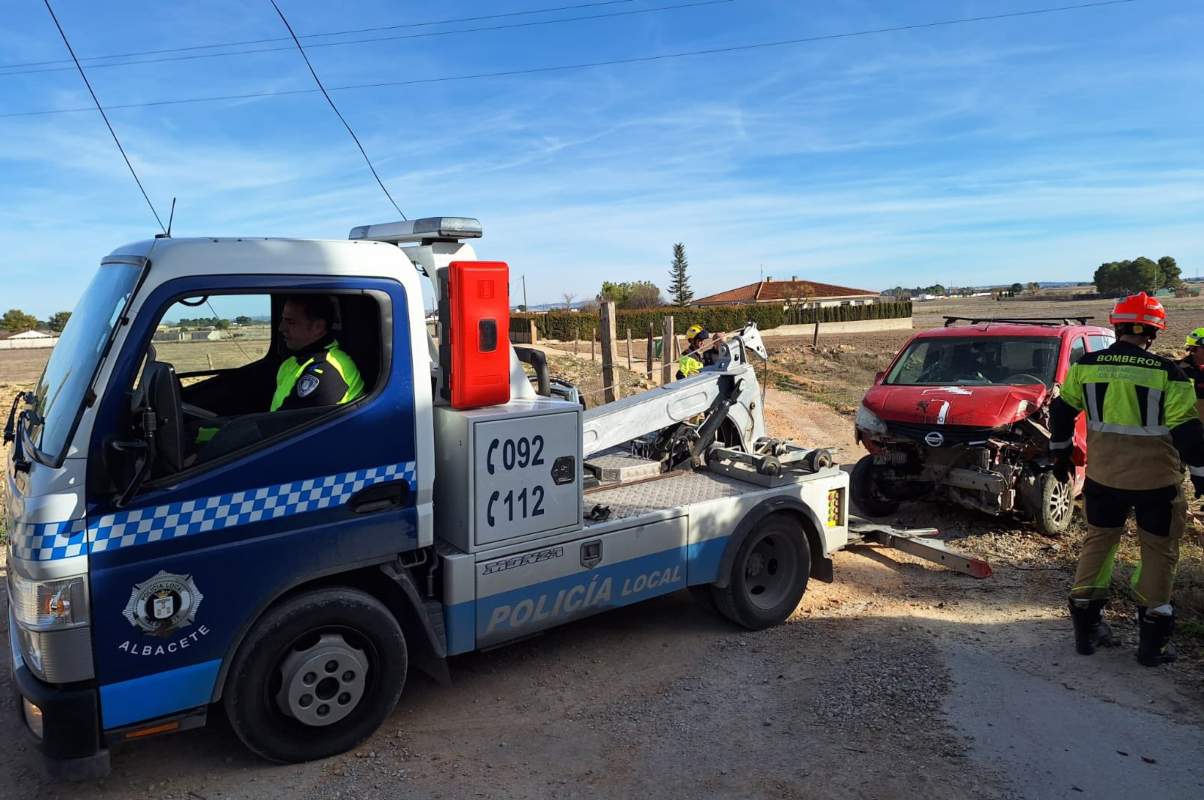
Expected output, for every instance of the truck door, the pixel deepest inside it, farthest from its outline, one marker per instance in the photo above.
(196, 528)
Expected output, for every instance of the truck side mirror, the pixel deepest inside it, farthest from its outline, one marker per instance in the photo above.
(878, 376)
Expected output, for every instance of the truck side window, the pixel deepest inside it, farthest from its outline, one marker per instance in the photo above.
(1100, 342)
(249, 367)
(1078, 349)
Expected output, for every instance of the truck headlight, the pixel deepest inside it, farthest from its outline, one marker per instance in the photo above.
(868, 421)
(48, 605)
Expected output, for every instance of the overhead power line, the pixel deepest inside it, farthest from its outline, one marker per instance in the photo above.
(104, 116)
(270, 40)
(337, 113)
(374, 39)
(593, 64)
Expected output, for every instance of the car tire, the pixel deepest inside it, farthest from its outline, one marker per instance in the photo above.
(864, 491)
(768, 576)
(282, 677)
(1056, 505)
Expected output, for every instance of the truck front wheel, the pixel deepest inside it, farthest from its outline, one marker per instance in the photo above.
(768, 575)
(316, 675)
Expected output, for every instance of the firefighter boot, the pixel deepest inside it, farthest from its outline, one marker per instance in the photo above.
(1154, 645)
(1089, 630)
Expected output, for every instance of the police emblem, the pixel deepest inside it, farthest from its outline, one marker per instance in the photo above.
(164, 604)
(306, 386)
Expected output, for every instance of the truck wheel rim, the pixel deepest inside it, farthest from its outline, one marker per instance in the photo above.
(769, 572)
(323, 682)
(1059, 501)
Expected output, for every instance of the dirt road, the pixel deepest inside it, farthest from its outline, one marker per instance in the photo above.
(899, 680)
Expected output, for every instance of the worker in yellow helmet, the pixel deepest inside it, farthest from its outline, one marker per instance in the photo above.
(700, 353)
(1193, 365)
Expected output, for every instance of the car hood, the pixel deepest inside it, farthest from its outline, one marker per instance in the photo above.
(977, 406)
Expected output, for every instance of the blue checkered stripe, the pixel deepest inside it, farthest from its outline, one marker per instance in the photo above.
(49, 541)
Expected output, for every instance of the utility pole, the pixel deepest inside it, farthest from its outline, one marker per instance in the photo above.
(525, 306)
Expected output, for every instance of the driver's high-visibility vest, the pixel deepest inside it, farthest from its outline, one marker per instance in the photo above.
(320, 376)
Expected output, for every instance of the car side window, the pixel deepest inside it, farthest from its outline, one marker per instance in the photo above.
(1100, 342)
(1078, 349)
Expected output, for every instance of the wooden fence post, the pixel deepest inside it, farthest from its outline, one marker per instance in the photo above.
(668, 345)
(651, 352)
(610, 347)
(629, 349)
(593, 342)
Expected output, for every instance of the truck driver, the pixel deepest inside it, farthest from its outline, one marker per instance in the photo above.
(318, 372)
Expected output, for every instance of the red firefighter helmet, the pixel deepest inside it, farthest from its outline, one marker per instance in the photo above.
(1139, 309)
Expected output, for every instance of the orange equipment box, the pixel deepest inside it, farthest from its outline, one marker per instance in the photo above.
(475, 347)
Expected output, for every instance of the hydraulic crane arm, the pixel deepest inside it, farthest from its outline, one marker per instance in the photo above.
(654, 410)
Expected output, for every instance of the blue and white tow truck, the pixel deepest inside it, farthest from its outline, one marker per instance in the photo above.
(297, 564)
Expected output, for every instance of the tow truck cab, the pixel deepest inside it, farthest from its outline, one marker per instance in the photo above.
(176, 544)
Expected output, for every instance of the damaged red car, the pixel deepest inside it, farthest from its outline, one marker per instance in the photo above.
(961, 415)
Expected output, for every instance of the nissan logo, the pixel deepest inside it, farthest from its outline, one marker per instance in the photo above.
(934, 438)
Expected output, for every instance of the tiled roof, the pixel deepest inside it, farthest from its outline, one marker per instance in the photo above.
(772, 291)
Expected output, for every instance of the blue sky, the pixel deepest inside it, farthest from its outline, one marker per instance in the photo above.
(1031, 148)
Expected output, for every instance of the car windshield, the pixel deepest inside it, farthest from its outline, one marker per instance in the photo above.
(960, 361)
(60, 391)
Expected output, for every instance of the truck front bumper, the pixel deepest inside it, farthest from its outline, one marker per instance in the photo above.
(70, 741)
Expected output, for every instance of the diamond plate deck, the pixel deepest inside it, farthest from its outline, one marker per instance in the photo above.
(668, 492)
(619, 466)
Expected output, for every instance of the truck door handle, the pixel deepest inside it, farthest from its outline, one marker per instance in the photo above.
(380, 497)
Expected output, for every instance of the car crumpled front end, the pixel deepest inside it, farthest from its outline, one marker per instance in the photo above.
(993, 469)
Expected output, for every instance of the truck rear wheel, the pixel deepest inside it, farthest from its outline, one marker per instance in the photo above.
(316, 675)
(863, 486)
(768, 575)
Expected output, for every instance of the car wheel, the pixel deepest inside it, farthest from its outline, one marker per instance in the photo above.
(1056, 499)
(316, 675)
(863, 488)
(768, 576)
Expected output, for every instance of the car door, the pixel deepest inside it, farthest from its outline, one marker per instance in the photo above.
(1075, 351)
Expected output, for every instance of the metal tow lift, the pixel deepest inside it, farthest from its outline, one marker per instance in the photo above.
(918, 542)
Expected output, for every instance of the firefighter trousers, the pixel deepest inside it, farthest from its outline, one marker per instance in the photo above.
(1161, 516)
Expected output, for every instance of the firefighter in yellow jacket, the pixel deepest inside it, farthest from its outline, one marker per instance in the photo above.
(1142, 429)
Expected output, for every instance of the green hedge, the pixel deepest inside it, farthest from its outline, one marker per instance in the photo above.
(899, 309)
(568, 325)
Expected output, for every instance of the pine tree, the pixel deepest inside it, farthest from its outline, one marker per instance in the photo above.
(679, 281)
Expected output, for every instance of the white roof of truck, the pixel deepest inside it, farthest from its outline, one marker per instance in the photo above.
(176, 258)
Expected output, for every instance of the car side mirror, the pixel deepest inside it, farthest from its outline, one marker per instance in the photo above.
(878, 376)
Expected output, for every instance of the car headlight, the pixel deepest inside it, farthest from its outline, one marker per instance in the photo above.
(48, 605)
(868, 421)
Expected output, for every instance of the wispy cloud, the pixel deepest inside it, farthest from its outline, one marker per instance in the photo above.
(986, 153)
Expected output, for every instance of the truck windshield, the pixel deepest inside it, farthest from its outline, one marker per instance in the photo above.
(949, 361)
(60, 391)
